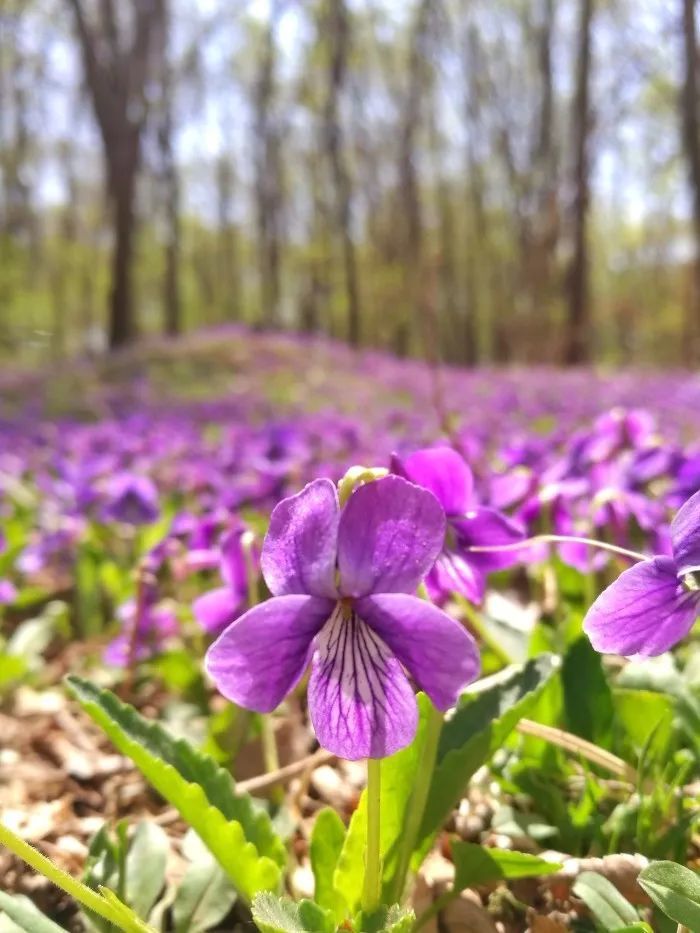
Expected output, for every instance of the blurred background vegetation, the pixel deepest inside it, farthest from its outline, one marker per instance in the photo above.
(477, 181)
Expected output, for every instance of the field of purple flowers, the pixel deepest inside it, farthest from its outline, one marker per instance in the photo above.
(187, 531)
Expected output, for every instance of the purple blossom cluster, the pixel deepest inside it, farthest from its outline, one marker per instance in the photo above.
(139, 466)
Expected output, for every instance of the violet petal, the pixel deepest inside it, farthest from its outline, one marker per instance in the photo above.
(443, 472)
(360, 701)
(217, 609)
(685, 535)
(258, 659)
(299, 551)
(390, 534)
(644, 612)
(438, 652)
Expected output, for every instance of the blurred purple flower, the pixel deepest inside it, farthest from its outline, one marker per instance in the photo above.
(218, 608)
(342, 584)
(145, 628)
(8, 592)
(457, 568)
(653, 605)
(131, 499)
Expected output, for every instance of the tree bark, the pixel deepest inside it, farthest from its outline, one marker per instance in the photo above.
(691, 145)
(337, 30)
(577, 349)
(117, 71)
(122, 326)
(268, 178)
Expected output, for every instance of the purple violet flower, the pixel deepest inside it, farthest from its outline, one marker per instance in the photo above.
(457, 568)
(219, 607)
(143, 632)
(652, 605)
(343, 582)
(132, 499)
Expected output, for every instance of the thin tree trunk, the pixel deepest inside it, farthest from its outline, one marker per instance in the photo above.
(691, 143)
(337, 30)
(577, 348)
(122, 325)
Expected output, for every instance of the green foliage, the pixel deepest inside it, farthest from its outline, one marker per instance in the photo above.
(281, 915)
(24, 916)
(588, 701)
(675, 889)
(205, 895)
(327, 840)
(604, 901)
(240, 837)
(478, 728)
(475, 864)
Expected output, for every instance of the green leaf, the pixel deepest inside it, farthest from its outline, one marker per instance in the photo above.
(145, 867)
(274, 914)
(238, 836)
(475, 864)
(640, 927)
(26, 916)
(327, 840)
(11, 668)
(203, 899)
(399, 919)
(675, 889)
(582, 675)
(604, 901)
(643, 712)
(397, 780)
(478, 728)
(395, 919)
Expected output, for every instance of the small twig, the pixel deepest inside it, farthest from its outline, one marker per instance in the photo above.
(282, 775)
(579, 746)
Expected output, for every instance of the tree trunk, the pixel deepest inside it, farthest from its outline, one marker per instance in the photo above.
(577, 348)
(337, 30)
(122, 325)
(691, 144)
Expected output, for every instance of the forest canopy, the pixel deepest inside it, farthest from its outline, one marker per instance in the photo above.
(468, 180)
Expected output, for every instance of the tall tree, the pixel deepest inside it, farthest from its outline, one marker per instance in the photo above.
(268, 172)
(170, 180)
(119, 46)
(691, 146)
(578, 337)
(335, 32)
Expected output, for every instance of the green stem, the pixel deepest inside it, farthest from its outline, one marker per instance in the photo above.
(371, 892)
(419, 798)
(76, 889)
(477, 623)
(270, 754)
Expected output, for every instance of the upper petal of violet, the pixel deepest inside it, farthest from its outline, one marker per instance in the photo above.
(685, 536)
(260, 657)
(438, 652)
(391, 531)
(443, 472)
(299, 551)
(644, 612)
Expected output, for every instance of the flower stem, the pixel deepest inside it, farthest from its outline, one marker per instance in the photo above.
(558, 539)
(419, 797)
(111, 910)
(371, 892)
